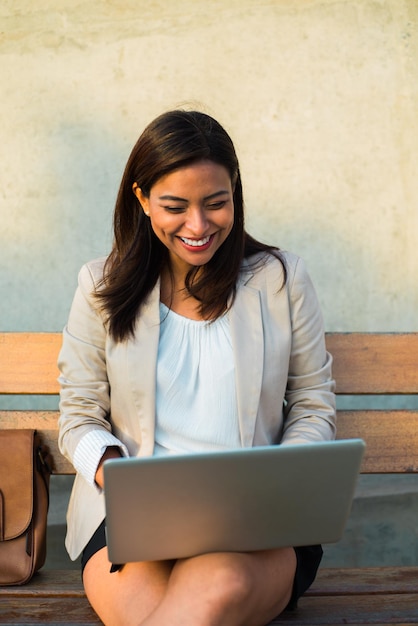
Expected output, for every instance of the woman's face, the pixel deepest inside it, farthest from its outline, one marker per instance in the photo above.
(191, 211)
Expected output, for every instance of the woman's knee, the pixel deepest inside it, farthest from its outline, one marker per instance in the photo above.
(245, 587)
(222, 582)
(233, 582)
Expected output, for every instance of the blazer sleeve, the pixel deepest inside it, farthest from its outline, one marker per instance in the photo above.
(85, 390)
(309, 411)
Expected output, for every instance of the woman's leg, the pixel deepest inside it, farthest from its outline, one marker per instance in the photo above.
(238, 589)
(247, 589)
(128, 596)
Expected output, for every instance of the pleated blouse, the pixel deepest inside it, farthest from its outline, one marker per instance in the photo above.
(196, 407)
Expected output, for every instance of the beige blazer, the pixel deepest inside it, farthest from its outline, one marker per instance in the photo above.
(284, 385)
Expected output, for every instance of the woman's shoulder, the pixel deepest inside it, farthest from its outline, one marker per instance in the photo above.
(277, 262)
(284, 276)
(91, 274)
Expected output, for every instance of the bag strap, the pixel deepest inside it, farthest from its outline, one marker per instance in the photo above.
(43, 464)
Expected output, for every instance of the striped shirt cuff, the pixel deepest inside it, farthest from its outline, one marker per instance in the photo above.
(90, 450)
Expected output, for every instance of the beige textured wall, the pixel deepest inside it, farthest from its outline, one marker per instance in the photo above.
(320, 96)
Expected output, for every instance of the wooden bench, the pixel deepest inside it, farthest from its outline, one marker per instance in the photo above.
(363, 364)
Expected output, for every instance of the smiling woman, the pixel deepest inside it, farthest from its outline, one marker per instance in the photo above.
(188, 303)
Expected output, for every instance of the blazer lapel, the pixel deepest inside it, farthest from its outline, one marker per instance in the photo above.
(248, 345)
(142, 352)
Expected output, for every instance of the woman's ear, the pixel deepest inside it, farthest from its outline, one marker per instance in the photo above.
(143, 200)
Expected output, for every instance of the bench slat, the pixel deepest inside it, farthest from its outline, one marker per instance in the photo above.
(358, 610)
(365, 580)
(391, 439)
(391, 436)
(329, 581)
(325, 611)
(64, 583)
(28, 363)
(27, 610)
(364, 363)
(374, 363)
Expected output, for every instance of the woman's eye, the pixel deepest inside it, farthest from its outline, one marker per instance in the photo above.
(216, 205)
(174, 209)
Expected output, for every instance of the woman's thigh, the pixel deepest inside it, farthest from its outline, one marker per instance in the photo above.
(129, 595)
(248, 588)
(242, 588)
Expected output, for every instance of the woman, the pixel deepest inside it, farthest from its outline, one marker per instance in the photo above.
(187, 303)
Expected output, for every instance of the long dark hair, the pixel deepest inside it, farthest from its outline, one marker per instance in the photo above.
(174, 139)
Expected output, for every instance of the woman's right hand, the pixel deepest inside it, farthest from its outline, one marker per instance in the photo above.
(112, 452)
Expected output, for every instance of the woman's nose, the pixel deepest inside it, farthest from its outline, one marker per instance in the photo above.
(197, 221)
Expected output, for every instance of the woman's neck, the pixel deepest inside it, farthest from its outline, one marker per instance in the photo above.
(173, 293)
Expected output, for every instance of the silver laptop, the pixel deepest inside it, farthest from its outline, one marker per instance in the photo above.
(240, 500)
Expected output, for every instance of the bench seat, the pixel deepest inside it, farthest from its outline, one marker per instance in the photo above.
(364, 364)
(386, 595)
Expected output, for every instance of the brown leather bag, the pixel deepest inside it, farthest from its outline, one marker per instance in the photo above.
(24, 499)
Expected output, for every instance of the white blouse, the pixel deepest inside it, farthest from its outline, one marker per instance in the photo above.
(196, 407)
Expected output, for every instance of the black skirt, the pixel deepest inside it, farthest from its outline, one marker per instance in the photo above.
(308, 560)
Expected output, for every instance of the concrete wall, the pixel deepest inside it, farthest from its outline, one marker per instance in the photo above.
(320, 96)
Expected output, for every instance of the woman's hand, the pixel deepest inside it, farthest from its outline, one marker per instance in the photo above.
(112, 452)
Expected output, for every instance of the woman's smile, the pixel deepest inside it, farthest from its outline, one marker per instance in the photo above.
(197, 244)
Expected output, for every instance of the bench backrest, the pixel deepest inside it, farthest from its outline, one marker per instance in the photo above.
(365, 364)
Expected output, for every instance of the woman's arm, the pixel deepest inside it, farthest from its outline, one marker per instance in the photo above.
(309, 399)
(84, 425)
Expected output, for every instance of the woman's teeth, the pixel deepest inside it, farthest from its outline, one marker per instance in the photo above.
(195, 242)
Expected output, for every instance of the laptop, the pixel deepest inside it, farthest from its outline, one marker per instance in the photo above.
(240, 500)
